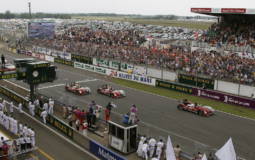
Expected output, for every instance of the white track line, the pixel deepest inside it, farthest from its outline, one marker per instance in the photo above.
(63, 84)
(46, 87)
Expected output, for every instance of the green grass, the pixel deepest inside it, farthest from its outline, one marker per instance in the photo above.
(237, 110)
(161, 22)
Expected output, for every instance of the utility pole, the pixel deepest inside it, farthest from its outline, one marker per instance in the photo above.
(29, 6)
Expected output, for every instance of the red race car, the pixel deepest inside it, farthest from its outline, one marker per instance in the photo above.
(8, 68)
(197, 109)
(77, 89)
(109, 91)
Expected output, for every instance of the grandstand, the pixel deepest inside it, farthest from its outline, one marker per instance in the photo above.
(234, 30)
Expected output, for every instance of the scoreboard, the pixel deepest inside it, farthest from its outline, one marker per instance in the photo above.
(38, 72)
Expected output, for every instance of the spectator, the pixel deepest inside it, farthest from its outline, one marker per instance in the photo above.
(145, 149)
(3, 61)
(44, 114)
(133, 114)
(210, 157)
(159, 148)
(177, 151)
(20, 108)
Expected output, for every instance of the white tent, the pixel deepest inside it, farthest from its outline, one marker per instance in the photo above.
(169, 150)
(227, 152)
(204, 157)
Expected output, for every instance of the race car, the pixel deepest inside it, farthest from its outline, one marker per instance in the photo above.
(8, 68)
(197, 109)
(109, 91)
(77, 89)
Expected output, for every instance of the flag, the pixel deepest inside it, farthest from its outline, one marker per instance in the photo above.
(204, 157)
(169, 150)
(227, 151)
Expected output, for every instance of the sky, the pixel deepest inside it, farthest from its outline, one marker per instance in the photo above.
(144, 7)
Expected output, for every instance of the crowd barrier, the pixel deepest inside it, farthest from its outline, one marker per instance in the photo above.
(196, 81)
(234, 88)
(103, 153)
(225, 98)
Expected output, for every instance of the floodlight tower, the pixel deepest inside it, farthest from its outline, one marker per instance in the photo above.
(29, 7)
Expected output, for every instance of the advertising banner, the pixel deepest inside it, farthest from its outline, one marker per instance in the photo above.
(36, 55)
(49, 58)
(174, 86)
(136, 78)
(61, 126)
(41, 29)
(64, 55)
(114, 65)
(13, 96)
(101, 62)
(63, 61)
(102, 152)
(82, 59)
(8, 76)
(229, 99)
(41, 56)
(127, 67)
(196, 81)
(92, 68)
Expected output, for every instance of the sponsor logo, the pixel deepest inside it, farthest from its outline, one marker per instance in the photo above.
(105, 154)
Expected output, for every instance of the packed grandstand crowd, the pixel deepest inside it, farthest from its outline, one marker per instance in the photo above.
(127, 46)
(234, 32)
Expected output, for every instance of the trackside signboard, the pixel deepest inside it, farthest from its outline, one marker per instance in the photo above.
(136, 78)
(174, 86)
(229, 99)
(103, 153)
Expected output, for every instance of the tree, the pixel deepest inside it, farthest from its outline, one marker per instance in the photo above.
(8, 15)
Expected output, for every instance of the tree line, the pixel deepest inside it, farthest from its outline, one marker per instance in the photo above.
(9, 15)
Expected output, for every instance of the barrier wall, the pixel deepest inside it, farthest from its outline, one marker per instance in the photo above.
(174, 86)
(234, 88)
(196, 81)
(226, 98)
(102, 152)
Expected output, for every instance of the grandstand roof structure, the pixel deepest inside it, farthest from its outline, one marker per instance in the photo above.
(223, 11)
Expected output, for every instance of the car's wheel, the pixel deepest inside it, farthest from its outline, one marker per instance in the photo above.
(179, 107)
(112, 95)
(200, 113)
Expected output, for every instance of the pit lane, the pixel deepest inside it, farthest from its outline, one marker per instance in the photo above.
(159, 115)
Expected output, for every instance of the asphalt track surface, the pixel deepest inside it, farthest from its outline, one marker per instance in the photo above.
(159, 115)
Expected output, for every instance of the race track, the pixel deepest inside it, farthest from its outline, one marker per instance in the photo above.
(159, 115)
